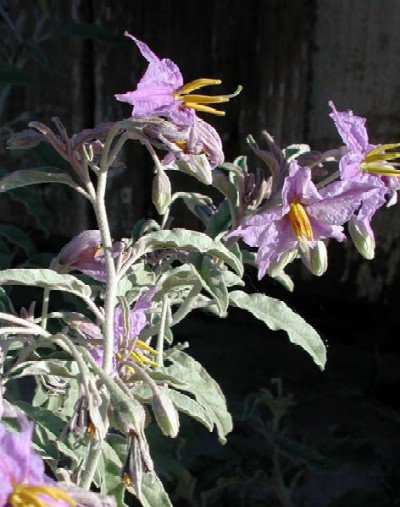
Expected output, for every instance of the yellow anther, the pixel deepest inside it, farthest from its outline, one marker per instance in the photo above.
(142, 345)
(27, 496)
(196, 84)
(197, 101)
(141, 359)
(91, 430)
(376, 160)
(127, 479)
(300, 222)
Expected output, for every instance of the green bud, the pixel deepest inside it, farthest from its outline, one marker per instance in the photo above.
(161, 192)
(318, 259)
(363, 241)
(166, 414)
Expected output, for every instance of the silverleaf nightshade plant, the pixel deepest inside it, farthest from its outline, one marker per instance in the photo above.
(108, 367)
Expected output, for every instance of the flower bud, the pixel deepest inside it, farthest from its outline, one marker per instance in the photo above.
(161, 192)
(363, 238)
(317, 261)
(166, 415)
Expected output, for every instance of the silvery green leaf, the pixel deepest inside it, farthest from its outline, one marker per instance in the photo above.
(46, 367)
(220, 220)
(204, 388)
(294, 150)
(200, 205)
(278, 316)
(214, 282)
(182, 239)
(190, 407)
(231, 278)
(25, 177)
(199, 167)
(182, 276)
(153, 492)
(44, 278)
(51, 425)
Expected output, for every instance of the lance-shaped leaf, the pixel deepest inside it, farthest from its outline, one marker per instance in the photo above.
(182, 239)
(45, 278)
(213, 281)
(25, 177)
(153, 492)
(204, 388)
(277, 316)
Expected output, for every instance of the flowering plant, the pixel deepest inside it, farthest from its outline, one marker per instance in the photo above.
(106, 367)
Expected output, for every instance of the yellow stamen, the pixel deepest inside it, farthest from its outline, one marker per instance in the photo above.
(91, 430)
(144, 346)
(197, 101)
(376, 160)
(300, 222)
(141, 359)
(127, 479)
(181, 144)
(198, 83)
(26, 496)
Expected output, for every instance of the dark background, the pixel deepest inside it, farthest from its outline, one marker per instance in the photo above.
(291, 57)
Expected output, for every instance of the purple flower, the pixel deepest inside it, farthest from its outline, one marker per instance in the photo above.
(127, 345)
(161, 91)
(200, 139)
(305, 217)
(22, 477)
(367, 163)
(84, 253)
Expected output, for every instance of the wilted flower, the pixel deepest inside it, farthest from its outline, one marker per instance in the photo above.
(306, 216)
(161, 91)
(23, 481)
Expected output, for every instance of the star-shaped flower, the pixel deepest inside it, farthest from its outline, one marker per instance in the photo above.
(161, 91)
(367, 163)
(306, 216)
(22, 475)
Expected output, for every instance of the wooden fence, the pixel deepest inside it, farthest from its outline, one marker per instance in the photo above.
(291, 56)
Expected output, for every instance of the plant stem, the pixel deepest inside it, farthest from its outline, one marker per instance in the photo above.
(91, 465)
(160, 336)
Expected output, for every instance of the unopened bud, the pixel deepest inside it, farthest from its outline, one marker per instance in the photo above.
(161, 192)
(166, 414)
(318, 259)
(363, 238)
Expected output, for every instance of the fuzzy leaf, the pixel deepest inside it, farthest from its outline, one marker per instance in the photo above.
(191, 241)
(25, 177)
(190, 407)
(277, 316)
(153, 492)
(214, 282)
(44, 278)
(204, 388)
